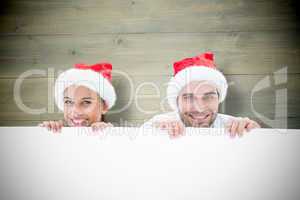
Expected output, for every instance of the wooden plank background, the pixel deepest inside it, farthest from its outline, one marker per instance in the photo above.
(251, 39)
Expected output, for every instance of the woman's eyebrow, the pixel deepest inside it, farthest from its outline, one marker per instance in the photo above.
(87, 98)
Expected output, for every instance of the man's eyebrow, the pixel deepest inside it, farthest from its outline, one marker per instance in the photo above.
(212, 92)
(67, 98)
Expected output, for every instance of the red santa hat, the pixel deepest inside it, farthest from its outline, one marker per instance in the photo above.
(96, 77)
(199, 68)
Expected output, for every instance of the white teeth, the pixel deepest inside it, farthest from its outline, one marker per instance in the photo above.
(199, 117)
(78, 121)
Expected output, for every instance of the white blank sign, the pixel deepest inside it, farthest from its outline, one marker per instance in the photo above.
(129, 163)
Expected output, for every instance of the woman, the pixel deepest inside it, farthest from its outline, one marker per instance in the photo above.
(84, 94)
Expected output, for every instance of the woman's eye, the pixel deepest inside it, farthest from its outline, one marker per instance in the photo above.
(68, 102)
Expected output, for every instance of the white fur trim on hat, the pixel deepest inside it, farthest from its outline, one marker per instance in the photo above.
(195, 73)
(84, 77)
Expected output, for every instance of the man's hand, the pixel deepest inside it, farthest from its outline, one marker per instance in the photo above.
(175, 128)
(54, 126)
(238, 126)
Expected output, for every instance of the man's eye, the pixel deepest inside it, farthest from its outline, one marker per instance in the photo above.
(87, 102)
(209, 96)
(206, 97)
(188, 97)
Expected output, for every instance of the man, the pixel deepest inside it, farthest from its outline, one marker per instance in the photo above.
(194, 94)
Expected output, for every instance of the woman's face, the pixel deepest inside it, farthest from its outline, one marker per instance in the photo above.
(82, 106)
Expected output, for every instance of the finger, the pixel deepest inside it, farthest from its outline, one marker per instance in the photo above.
(252, 125)
(176, 130)
(241, 127)
(159, 125)
(248, 124)
(52, 126)
(163, 125)
(47, 125)
(55, 128)
(102, 126)
(41, 125)
(228, 126)
(95, 128)
(171, 131)
(60, 125)
(182, 129)
(233, 129)
(249, 127)
(110, 125)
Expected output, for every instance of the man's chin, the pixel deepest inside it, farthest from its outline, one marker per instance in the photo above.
(197, 123)
(200, 125)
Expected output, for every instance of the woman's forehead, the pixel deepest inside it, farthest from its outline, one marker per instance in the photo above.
(75, 91)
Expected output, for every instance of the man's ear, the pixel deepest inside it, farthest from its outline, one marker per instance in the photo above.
(218, 94)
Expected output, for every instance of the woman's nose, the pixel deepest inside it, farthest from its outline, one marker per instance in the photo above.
(76, 110)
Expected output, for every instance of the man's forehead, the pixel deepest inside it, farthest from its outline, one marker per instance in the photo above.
(198, 87)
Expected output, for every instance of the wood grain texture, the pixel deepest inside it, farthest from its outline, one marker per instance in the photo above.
(147, 98)
(152, 54)
(251, 40)
(145, 16)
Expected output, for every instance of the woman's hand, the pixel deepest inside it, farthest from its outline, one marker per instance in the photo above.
(100, 126)
(54, 126)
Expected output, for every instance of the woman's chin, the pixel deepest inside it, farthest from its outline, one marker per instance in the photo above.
(82, 124)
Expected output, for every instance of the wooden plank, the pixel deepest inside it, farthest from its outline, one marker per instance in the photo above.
(14, 123)
(293, 123)
(152, 54)
(36, 89)
(144, 16)
(149, 99)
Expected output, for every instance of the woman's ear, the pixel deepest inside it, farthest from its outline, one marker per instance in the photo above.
(104, 107)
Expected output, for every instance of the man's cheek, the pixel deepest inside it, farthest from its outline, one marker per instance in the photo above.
(214, 107)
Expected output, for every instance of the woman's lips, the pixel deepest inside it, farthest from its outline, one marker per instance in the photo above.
(78, 122)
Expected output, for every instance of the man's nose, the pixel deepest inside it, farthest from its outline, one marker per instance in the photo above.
(198, 105)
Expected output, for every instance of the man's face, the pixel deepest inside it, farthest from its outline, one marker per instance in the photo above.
(82, 106)
(198, 104)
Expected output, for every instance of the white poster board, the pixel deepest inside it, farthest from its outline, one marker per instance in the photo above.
(127, 163)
